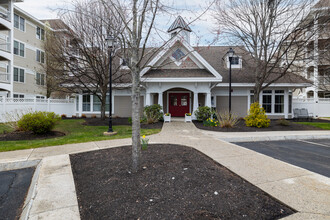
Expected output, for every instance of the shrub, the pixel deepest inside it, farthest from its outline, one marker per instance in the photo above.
(143, 119)
(203, 113)
(38, 122)
(188, 114)
(167, 114)
(210, 123)
(83, 116)
(130, 120)
(226, 119)
(153, 113)
(73, 116)
(283, 122)
(93, 116)
(257, 117)
(63, 116)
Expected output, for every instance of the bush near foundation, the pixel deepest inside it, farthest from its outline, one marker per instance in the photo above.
(38, 122)
(257, 117)
(153, 113)
(203, 113)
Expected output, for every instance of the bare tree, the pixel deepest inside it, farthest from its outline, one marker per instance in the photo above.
(274, 33)
(78, 57)
(138, 17)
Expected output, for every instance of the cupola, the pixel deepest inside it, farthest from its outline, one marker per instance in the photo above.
(181, 28)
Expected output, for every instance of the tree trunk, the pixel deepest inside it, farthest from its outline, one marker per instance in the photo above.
(103, 106)
(256, 93)
(136, 143)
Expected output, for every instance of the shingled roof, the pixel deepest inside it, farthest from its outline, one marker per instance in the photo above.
(214, 56)
(179, 23)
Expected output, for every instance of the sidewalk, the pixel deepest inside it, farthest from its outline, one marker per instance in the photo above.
(301, 189)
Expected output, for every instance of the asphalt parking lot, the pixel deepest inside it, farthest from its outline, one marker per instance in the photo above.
(313, 155)
(14, 185)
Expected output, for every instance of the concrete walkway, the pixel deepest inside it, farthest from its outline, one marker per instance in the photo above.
(301, 189)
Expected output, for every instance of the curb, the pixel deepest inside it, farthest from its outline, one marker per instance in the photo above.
(33, 185)
(275, 138)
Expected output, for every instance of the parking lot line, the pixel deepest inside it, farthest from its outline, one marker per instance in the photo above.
(309, 142)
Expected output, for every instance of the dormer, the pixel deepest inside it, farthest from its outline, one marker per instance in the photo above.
(181, 28)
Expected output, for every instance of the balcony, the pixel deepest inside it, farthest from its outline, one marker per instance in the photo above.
(5, 19)
(4, 77)
(5, 51)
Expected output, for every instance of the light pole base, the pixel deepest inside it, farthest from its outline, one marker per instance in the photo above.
(110, 133)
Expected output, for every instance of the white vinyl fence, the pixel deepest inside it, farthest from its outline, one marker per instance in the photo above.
(319, 107)
(20, 106)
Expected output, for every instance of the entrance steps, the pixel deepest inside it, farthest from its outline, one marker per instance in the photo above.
(181, 119)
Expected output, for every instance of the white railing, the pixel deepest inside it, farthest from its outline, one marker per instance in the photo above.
(4, 77)
(59, 106)
(5, 47)
(4, 13)
(319, 107)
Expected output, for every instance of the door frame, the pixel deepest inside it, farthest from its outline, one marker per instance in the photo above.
(168, 100)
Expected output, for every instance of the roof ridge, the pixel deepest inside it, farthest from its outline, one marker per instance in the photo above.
(179, 23)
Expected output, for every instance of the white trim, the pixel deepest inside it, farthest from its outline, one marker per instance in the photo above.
(30, 16)
(19, 48)
(190, 79)
(168, 100)
(294, 85)
(190, 49)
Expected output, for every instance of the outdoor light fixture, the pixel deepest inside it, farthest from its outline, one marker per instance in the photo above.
(230, 55)
(111, 41)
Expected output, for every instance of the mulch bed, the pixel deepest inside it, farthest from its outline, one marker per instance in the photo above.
(274, 126)
(28, 135)
(174, 182)
(119, 121)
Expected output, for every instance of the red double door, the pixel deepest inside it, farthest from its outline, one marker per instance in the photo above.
(179, 104)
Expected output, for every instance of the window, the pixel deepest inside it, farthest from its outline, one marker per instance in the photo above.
(40, 79)
(19, 48)
(279, 101)
(18, 75)
(184, 100)
(16, 21)
(40, 56)
(40, 97)
(18, 96)
(19, 22)
(86, 103)
(97, 103)
(40, 33)
(290, 103)
(178, 54)
(235, 61)
(267, 101)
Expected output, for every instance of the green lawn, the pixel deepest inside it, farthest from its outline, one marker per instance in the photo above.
(75, 133)
(323, 125)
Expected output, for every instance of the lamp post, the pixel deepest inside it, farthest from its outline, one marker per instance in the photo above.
(111, 43)
(230, 54)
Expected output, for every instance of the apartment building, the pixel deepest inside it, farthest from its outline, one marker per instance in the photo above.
(21, 53)
(317, 53)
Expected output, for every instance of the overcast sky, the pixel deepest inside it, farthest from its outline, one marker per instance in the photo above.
(203, 28)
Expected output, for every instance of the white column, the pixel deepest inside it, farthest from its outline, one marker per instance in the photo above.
(195, 104)
(80, 104)
(148, 98)
(160, 99)
(208, 100)
(286, 103)
(92, 101)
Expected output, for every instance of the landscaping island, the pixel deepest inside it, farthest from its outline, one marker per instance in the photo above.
(174, 182)
(275, 125)
(69, 131)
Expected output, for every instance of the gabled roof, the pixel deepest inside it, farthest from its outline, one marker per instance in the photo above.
(179, 23)
(192, 52)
